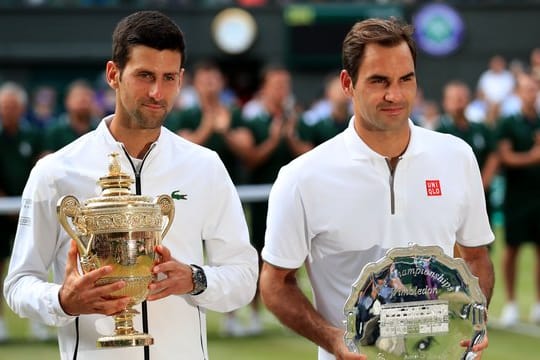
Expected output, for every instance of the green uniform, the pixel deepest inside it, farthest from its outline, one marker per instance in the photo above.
(321, 130)
(60, 133)
(521, 205)
(17, 156)
(265, 173)
(190, 119)
(479, 137)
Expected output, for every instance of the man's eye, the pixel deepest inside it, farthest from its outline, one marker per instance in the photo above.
(378, 81)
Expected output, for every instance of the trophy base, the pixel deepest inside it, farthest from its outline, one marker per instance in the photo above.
(137, 339)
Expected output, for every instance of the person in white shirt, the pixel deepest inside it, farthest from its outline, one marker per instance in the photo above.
(208, 233)
(382, 183)
(497, 82)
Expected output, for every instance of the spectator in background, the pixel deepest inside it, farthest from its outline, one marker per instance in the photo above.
(481, 138)
(535, 72)
(313, 130)
(265, 143)
(105, 97)
(43, 110)
(78, 119)
(534, 60)
(512, 103)
(429, 116)
(495, 84)
(19, 148)
(208, 122)
(322, 106)
(477, 110)
(418, 106)
(519, 151)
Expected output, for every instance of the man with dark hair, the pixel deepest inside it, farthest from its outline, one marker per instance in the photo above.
(78, 119)
(380, 184)
(146, 74)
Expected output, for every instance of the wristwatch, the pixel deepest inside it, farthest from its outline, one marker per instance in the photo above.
(199, 279)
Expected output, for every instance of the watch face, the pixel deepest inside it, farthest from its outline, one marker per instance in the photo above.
(199, 280)
(234, 30)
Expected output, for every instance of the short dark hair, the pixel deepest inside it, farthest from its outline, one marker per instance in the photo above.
(270, 68)
(386, 32)
(148, 28)
(206, 65)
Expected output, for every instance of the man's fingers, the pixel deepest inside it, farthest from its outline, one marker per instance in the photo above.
(164, 252)
(90, 278)
(110, 306)
(107, 290)
(158, 294)
(476, 347)
(71, 263)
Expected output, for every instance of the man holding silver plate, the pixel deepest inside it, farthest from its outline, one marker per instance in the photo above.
(374, 214)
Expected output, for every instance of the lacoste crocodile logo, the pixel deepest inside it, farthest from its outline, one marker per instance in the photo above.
(176, 195)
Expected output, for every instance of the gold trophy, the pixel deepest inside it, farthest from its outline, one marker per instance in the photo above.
(119, 229)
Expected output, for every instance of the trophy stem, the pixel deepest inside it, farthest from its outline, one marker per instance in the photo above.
(124, 332)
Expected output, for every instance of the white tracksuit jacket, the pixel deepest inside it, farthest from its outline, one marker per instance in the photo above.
(211, 211)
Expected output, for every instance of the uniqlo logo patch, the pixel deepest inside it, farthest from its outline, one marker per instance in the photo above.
(433, 188)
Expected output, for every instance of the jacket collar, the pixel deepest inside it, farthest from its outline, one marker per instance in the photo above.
(105, 133)
(359, 150)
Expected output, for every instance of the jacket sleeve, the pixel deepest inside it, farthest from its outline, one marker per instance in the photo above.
(232, 263)
(36, 251)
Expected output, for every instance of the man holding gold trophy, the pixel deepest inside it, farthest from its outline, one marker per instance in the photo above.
(374, 214)
(182, 192)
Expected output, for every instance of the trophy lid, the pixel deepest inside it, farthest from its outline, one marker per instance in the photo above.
(116, 183)
(116, 210)
(115, 190)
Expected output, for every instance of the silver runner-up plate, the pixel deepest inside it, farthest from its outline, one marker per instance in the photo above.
(415, 303)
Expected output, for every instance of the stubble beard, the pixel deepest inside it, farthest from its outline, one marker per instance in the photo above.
(148, 122)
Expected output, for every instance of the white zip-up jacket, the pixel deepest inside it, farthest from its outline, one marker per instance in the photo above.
(209, 210)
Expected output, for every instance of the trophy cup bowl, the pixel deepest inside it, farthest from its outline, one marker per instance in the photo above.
(415, 303)
(119, 229)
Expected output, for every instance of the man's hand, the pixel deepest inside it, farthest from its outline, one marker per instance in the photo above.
(222, 119)
(341, 351)
(178, 276)
(477, 348)
(299, 314)
(79, 294)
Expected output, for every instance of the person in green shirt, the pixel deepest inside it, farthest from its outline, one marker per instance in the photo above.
(19, 146)
(78, 119)
(265, 142)
(210, 122)
(315, 127)
(519, 149)
(480, 137)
